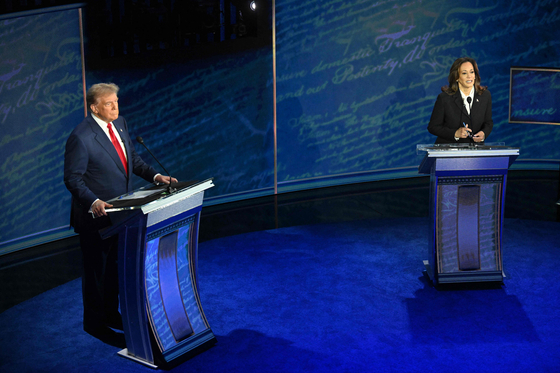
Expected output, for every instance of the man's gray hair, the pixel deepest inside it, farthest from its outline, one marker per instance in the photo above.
(97, 90)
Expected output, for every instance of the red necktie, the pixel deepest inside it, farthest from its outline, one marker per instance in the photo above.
(118, 147)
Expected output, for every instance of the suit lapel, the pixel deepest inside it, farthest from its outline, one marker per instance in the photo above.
(476, 101)
(459, 102)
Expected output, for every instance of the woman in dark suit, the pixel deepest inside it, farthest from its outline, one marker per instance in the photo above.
(463, 111)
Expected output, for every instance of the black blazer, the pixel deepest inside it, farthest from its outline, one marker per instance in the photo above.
(449, 114)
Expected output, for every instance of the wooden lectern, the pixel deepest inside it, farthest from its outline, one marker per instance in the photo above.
(467, 197)
(163, 320)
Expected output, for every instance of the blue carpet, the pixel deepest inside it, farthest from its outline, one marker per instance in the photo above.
(345, 297)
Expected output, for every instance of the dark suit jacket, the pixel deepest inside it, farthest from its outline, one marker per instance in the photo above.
(449, 114)
(93, 169)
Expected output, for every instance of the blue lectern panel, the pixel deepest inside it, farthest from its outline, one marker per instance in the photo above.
(169, 287)
(173, 306)
(156, 310)
(486, 234)
(186, 278)
(468, 216)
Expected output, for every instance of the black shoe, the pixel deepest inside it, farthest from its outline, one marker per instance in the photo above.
(115, 322)
(106, 335)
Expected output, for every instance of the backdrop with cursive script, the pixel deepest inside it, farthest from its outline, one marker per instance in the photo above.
(357, 80)
(356, 84)
(41, 100)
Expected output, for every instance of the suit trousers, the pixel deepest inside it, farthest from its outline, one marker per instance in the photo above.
(100, 279)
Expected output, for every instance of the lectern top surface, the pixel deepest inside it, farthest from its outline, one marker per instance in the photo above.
(453, 150)
(152, 193)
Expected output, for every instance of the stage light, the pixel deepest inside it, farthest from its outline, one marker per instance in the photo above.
(253, 6)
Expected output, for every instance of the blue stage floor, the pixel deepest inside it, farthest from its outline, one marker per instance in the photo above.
(340, 297)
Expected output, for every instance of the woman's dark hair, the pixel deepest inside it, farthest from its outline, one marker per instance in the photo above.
(454, 77)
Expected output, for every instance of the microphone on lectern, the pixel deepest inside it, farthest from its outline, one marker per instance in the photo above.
(169, 188)
(469, 100)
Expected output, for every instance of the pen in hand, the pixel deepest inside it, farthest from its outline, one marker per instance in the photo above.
(469, 132)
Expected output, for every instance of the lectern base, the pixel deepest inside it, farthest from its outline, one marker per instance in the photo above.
(464, 276)
(124, 353)
(182, 352)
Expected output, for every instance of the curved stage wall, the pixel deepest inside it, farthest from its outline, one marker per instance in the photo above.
(357, 80)
(356, 83)
(41, 100)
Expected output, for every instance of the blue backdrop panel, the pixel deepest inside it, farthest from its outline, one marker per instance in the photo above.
(41, 100)
(204, 118)
(356, 84)
(357, 80)
(535, 95)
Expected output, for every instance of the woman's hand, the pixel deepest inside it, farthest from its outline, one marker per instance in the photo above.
(463, 132)
(479, 137)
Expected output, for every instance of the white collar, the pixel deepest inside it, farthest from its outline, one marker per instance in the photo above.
(471, 94)
(103, 126)
(99, 121)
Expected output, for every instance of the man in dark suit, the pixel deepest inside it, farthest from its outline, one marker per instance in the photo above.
(463, 101)
(98, 165)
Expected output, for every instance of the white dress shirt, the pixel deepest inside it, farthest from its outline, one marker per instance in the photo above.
(103, 126)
